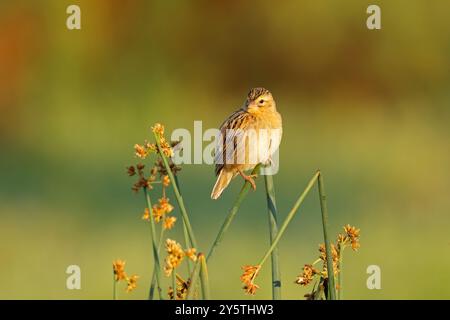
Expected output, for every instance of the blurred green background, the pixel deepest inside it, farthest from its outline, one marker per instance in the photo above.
(370, 108)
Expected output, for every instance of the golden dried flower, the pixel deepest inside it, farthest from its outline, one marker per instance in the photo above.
(140, 151)
(307, 275)
(175, 255)
(323, 257)
(341, 239)
(353, 235)
(158, 129)
(352, 232)
(165, 205)
(250, 288)
(169, 222)
(146, 215)
(166, 148)
(182, 288)
(166, 181)
(160, 210)
(119, 269)
(323, 252)
(355, 245)
(132, 283)
(151, 147)
(157, 212)
(191, 253)
(248, 278)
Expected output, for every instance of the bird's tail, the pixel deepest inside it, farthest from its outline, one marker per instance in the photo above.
(222, 182)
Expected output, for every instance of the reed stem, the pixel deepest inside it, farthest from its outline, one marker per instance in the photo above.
(174, 284)
(177, 193)
(341, 275)
(204, 279)
(188, 245)
(187, 241)
(114, 287)
(156, 260)
(289, 217)
(324, 209)
(194, 278)
(273, 227)
(153, 282)
(232, 213)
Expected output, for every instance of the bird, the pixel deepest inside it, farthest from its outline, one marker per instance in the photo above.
(235, 151)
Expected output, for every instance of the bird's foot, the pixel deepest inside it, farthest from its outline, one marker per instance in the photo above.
(249, 178)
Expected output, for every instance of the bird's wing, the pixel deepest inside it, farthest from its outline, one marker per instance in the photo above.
(231, 132)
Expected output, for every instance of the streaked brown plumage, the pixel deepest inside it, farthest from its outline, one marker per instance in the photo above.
(258, 114)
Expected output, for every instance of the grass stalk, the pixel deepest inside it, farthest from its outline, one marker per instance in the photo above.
(187, 241)
(273, 227)
(324, 209)
(194, 278)
(153, 282)
(188, 245)
(204, 279)
(232, 213)
(289, 217)
(174, 284)
(114, 287)
(157, 265)
(340, 274)
(177, 193)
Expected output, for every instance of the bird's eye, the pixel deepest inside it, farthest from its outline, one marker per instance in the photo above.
(261, 101)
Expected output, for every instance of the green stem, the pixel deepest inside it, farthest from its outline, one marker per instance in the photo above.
(153, 282)
(154, 245)
(273, 225)
(177, 192)
(288, 219)
(324, 209)
(340, 274)
(174, 284)
(234, 209)
(187, 244)
(204, 277)
(114, 287)
(187, 241)
(194, 278)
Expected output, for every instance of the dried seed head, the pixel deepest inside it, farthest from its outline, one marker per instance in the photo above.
(248, 278)
(119, 269)
(132, 283)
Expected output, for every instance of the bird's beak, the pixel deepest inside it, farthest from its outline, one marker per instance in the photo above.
(252, 106)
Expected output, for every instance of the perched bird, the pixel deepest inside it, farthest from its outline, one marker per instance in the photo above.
(249, 136)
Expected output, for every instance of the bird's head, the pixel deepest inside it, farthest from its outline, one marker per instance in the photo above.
(259, 100)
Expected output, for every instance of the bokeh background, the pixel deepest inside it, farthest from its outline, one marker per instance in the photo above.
(369, 108)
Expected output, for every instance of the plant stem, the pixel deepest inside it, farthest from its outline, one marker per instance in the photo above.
(157, 267)
(234, 209)
(204, 277)
(289, 217)
(153, 282)
(177, 192)
(340, 274)
(273, 226)
(187, 244)
(324, 209)
(193, 277)
(114, 287)
(187, 241)
(174, 283)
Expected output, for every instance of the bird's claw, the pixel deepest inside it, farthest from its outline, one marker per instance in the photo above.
(249, 178)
